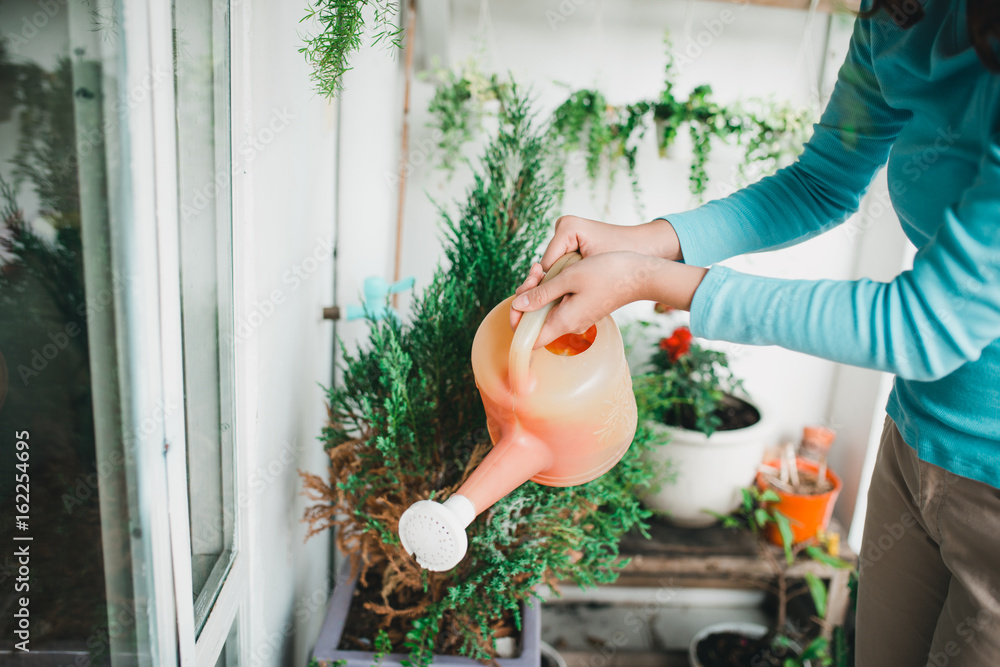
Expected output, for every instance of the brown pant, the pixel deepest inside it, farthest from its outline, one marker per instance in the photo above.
(929, 593)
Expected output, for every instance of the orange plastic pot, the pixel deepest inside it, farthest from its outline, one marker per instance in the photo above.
(807, 514)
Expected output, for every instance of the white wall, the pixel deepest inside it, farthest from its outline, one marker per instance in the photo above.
(370, 131)
(284, 232)
(741, 50)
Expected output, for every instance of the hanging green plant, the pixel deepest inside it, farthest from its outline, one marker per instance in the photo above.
(582, 123)
(460, 102)
(608, 136)
(772, 134)
(705, 120)
(342, 25)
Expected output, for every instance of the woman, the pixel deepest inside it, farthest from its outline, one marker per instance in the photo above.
(916, 88)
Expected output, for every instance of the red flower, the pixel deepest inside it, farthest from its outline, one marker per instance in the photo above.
(677, 344)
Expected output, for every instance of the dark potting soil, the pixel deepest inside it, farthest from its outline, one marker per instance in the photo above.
(809, 483)
(735, 413)
(731, 649)
(362, 624)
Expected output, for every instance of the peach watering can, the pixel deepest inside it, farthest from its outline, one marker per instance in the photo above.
(561, 415)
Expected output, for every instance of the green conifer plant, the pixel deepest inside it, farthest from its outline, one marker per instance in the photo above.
(407, 423)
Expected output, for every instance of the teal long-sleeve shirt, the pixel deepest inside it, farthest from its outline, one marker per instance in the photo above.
(921, 99)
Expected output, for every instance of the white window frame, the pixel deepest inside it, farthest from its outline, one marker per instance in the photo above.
(151, 357)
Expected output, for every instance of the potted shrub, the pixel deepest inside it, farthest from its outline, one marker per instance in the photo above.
(710, 439)
(407, 424)
(348, 638)
(783, 644)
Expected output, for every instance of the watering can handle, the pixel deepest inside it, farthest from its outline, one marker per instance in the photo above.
(528, 329)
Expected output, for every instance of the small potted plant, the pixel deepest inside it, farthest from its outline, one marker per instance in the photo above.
(783, 644)
(710, 440)
(805, 489)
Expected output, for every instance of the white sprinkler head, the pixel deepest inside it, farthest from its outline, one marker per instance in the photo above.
(434, 533)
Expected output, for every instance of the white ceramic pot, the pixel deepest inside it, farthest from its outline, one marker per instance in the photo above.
(551, 657)
(750, 630)
(707, 472)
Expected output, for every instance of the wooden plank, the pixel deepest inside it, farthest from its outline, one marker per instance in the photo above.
(669, 540)
(625, 659)
(823, 6)
(711, 550)
(837, 602)
(736, 566)
(640, 580)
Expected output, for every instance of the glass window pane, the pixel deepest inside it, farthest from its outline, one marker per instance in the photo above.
(201, 46)
(60, 167)
(230, 656)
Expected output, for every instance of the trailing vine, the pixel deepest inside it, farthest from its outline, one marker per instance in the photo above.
(705, 119)
(458, 107)
(771, 133)
(609, 136)
(606, 134)
(342, 25)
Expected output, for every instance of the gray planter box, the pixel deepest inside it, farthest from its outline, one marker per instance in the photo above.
(336, 615)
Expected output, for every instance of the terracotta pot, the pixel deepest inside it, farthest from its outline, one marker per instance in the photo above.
(807, 514)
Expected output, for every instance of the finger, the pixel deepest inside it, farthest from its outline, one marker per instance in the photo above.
(563, 319)
(532, 280)
(534, 277)
(538, 296)
(562, 243)
(515, 317)
(550, 331)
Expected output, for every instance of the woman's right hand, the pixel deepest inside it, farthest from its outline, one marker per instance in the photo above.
(591, 237)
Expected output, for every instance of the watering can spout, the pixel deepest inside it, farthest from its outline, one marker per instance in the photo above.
(434, 533)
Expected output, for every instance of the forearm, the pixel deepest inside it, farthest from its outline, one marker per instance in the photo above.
(661, 240)
(671, 283)
(901, 327)
(922, 325)
(821, 190)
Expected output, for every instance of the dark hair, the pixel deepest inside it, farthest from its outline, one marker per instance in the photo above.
(983, 17)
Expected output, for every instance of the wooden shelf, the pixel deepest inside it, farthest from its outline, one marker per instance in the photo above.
(708, 554)
(626, 659)
(678, 558)
(717, 557)
(824, 5)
